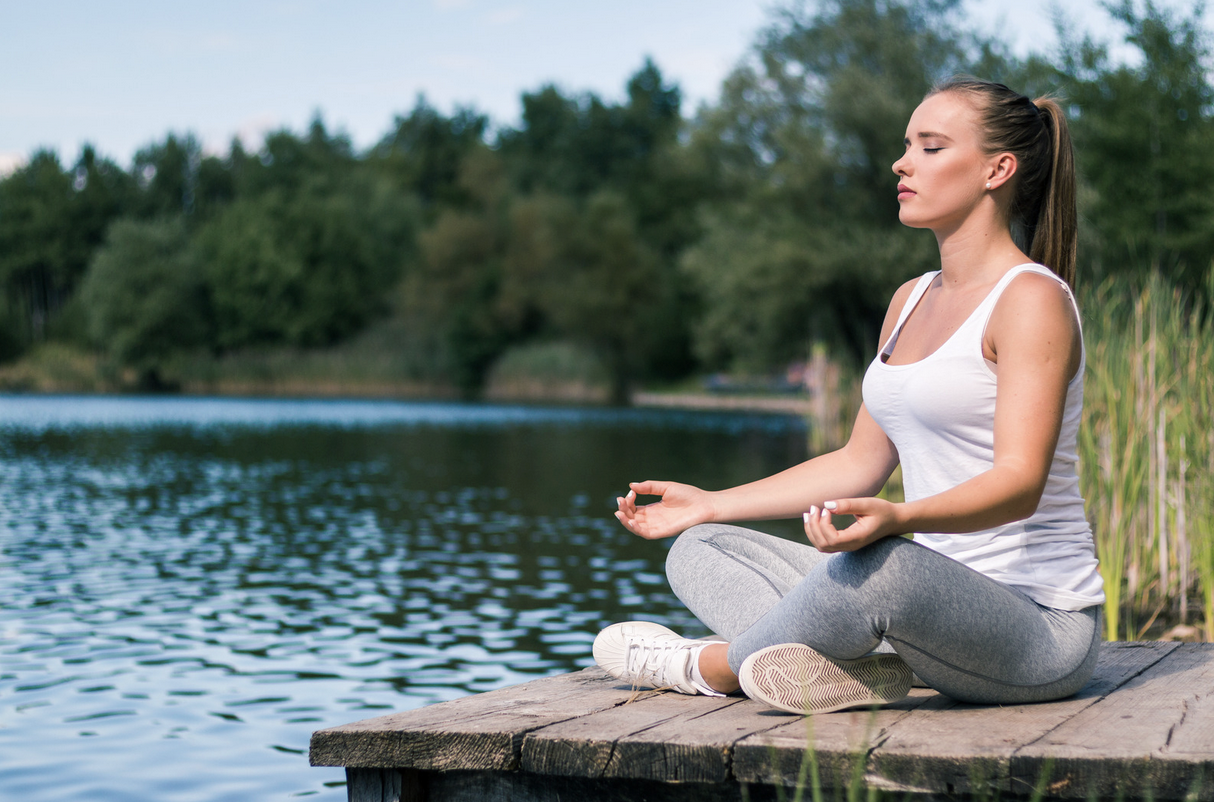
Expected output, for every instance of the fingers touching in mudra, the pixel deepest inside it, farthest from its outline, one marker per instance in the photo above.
(875, 519)
(680, 507)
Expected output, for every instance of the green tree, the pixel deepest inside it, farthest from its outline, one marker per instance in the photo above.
(424, 150)
(51, 222)
(288, 163)
(305, 268)
(167, 175)
(456, 288)
(589, 273)
(1143, 134)
(144, 297)
(569, 228)
(584, 160)
(802, 241)
(577, 145)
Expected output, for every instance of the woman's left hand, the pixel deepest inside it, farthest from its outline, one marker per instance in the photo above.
(875, 518)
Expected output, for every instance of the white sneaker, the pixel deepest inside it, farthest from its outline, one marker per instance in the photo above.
(649, 655)
(795, 678)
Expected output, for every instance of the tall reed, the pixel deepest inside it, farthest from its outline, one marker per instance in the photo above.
(1146, 452)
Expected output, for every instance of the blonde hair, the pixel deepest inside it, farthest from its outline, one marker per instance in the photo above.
(1042, 215)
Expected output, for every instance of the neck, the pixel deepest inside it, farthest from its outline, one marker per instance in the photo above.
(977, 253)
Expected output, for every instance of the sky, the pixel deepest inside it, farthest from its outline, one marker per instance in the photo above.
(122, 74)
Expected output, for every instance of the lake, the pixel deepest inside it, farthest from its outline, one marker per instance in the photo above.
(190, 587)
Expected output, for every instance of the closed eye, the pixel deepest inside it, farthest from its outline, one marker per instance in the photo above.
(932, 150)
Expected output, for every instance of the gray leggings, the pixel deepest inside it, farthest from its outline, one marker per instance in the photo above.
(964, 634)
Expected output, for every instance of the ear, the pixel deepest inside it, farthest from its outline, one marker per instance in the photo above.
(1000, 170)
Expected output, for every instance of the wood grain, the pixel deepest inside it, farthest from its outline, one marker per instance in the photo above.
(1124, 742)
(840, 739)
(949, 747)
(1144, 726)
(476, 732)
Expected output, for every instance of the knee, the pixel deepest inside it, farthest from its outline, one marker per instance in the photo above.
(890, 555)
(681, 558)
(854, 568)
(881, 575)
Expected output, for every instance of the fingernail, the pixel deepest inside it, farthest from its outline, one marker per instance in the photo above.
(813, 510)
(830, 505)
(825, 512)
(806, 517)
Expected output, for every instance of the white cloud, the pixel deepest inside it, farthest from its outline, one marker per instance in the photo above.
(251, 132)
(10, 163)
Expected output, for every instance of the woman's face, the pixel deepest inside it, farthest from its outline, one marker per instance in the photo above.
(943, 173)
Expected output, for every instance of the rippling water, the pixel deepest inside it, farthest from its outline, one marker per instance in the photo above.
(189, 588)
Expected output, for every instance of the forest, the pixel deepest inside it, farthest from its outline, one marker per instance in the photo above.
(636, 241)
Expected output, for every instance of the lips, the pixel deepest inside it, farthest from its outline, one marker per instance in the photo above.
(905, 192)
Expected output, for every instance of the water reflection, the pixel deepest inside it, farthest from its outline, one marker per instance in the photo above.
(190, 587)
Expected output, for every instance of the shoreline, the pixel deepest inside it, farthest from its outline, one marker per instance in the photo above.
(388, 391)
(56, 369)
(787, 404)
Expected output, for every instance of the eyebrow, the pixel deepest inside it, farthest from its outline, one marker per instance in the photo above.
(929, 135)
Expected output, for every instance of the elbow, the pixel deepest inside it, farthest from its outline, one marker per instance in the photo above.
(1025, 503)
(1023, 487)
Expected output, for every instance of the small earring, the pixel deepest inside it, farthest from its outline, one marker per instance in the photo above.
(988, 184)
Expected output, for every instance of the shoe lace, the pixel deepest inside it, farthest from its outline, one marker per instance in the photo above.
(657, 662)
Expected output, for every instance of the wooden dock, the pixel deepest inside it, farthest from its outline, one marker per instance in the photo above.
(1143, 728)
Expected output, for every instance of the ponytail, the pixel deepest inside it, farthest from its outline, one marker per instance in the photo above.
(1042, 213)
(1056, 228)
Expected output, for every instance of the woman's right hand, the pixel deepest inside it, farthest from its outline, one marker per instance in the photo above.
(682, 507)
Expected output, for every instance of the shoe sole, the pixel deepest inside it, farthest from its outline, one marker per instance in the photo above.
(795, 678)
(610, 645)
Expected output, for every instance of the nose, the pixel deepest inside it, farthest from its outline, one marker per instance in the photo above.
(899, 167)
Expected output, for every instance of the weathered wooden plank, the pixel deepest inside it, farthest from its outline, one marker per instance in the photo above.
(1123, 743)
(1144, 725)
(1140, 718)
(956, 748)
(943, 747)
(585, 746)
(775, 756)
(521, 786)
(671, 737)
(691, 747)
(475, 732)
(367, 785)
(1194, 733)
(381, 785)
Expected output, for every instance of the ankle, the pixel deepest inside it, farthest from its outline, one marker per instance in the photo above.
(712, 668)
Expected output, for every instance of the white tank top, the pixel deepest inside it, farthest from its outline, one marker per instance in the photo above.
(939, 413)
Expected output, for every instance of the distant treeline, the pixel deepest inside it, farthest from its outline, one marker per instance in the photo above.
(662, 243)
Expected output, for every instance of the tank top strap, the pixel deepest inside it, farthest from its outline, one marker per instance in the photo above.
(982, 314)
(912, 301)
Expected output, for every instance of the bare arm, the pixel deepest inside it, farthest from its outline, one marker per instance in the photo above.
(1035, 336)
(860, 468)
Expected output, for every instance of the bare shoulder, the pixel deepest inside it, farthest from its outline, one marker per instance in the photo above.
(1035, 311)
(1037, 299)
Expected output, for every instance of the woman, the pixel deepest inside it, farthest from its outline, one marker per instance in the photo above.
(977, 393)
